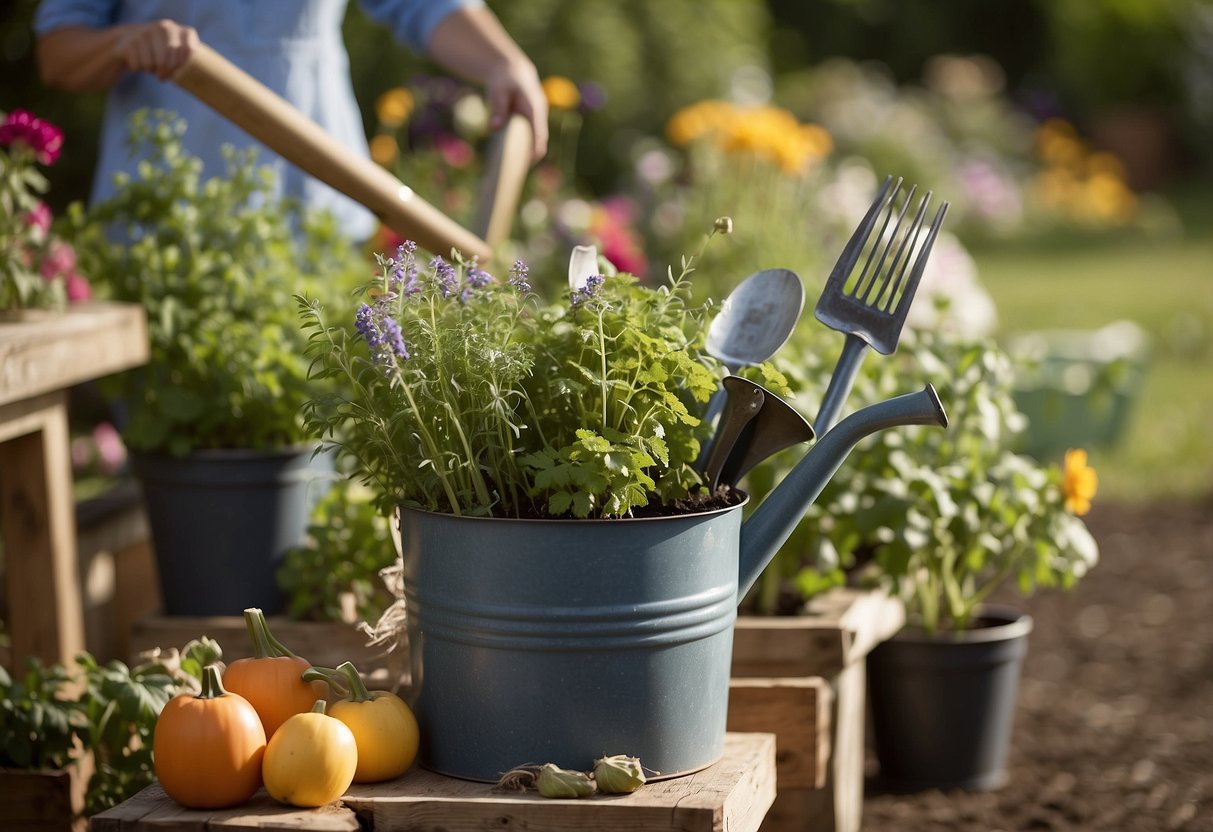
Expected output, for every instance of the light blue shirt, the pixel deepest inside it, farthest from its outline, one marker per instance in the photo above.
(294, 47)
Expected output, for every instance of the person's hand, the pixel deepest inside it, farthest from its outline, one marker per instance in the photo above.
(160, 47)
(514, 88)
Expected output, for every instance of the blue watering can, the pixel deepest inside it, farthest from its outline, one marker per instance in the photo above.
(536, 641)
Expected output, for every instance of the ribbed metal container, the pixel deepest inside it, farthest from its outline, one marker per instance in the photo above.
(536, 641)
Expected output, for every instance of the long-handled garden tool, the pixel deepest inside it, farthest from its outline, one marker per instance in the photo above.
(280, 126)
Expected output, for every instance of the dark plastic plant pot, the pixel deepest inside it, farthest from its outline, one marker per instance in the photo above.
(221, 522)
(942, 705)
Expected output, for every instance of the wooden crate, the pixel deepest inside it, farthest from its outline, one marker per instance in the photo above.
(803, 678)
(734, 795)
(41, 801)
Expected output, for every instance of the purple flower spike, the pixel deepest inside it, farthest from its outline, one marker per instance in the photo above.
(593, 284)
(382, 334)
(444, 276)
(394, 339)
(518, 276)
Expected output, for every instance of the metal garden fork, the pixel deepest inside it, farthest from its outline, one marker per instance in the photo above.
(871, 309)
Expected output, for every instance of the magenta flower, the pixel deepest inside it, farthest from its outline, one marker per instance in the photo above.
(24, 128)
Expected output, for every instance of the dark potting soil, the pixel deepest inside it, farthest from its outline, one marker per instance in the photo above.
(1114, 722)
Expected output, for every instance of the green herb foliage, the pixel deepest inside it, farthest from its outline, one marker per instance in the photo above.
(349, 543)
(215, 263)
(51, 716)
(460, 393)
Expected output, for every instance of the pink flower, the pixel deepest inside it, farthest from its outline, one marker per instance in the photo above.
(454, 151)
(39, 219)
(60, 260)
(24, 128)
(111, 452)
(78, 288)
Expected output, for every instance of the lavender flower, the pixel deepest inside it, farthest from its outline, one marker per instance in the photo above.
(444, 276)
(475, 278)
(592, 284)
(518, 276)
(478, 278)
(381, 333)
(405, 275)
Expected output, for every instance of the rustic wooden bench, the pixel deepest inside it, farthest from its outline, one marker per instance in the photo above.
(733, 794)
(41, 358)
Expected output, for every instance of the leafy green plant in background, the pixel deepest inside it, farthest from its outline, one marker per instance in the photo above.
(50, 716)
(944, 517)
(215, 263)
(335, 575)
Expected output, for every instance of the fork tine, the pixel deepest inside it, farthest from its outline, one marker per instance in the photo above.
(854, 247)
(920, 262)
(888, 294)
(888, 246)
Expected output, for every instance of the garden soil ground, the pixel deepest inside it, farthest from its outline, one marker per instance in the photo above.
(1114, 725)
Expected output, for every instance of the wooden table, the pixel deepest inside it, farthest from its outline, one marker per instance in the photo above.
(734, 795)
(41, 357)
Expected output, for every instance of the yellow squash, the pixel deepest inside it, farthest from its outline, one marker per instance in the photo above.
(383, 726)
(310, 760)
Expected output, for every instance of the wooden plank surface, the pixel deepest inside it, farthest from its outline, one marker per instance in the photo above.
(797, 711)
(734, 794)
(54, 351)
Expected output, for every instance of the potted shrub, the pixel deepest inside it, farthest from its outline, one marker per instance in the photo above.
(945, 529)
(212, 420)
(571, 586)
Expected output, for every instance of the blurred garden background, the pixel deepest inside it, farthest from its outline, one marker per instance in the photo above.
(1071, 139)
(1068, 303)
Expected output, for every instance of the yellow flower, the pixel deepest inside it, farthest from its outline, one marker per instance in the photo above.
(384, 149)
(1078, 482)
(393, 107)
(561, 93)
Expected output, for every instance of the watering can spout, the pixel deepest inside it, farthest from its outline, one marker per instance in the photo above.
(772, 523)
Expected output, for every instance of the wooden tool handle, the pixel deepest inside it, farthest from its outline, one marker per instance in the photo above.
(277, 124)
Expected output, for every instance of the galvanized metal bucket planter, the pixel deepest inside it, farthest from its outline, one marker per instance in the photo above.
(563, 641)
(536, 641)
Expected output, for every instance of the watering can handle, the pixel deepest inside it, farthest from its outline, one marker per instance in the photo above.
(276, 123)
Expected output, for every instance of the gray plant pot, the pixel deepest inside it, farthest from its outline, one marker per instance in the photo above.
(221, 521)
(536, 641)
(943, 705)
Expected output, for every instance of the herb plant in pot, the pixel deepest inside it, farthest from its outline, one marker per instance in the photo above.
(947, 536)
(213, 419)
(570, 584)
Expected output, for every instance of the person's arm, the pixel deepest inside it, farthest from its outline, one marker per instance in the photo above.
(472, 43)
(84, 59)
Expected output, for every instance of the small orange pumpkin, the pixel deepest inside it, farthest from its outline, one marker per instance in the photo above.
(272, 679)
(208, 749)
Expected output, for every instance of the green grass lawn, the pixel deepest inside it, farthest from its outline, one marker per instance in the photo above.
(1165, 286)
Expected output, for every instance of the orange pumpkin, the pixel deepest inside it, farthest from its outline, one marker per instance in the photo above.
(272, 680)
(208, 749)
